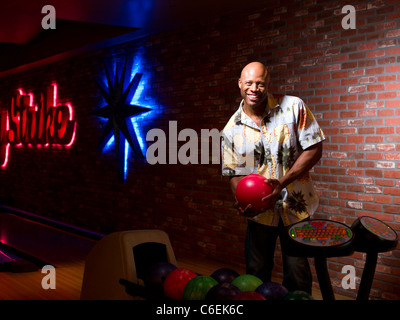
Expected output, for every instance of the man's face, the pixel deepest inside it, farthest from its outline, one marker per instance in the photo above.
(253, 85)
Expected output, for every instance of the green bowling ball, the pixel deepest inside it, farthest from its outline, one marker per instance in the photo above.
(198, 287)
(247, 282)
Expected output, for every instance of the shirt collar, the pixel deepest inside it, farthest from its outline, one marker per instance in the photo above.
(272, 102)
(242, 117)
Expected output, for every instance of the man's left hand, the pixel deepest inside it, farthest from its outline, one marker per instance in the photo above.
(276, 193)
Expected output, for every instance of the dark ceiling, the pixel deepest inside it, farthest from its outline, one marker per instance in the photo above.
(83, 23)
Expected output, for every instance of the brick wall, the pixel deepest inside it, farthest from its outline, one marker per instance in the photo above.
(349, 78)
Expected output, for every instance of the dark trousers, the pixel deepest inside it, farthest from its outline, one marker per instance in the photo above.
(260, 249)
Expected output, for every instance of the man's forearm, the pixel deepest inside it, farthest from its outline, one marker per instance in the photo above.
(234, 182)
(303, 164)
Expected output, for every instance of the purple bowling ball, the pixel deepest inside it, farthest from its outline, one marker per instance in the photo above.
(157, 274)
(224, 275)
(222, 291)
(272, 290)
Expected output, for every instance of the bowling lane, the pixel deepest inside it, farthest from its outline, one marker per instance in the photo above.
(6, 256)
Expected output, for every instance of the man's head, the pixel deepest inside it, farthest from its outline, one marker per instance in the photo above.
(253, 84)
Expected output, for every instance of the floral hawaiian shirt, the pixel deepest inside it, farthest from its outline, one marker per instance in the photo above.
(271, 149)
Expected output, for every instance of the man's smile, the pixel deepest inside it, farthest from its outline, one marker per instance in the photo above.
(253, 97)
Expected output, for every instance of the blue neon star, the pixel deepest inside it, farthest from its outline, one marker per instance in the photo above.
(119, 111)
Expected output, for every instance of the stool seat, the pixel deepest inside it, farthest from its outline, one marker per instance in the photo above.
(372, 235)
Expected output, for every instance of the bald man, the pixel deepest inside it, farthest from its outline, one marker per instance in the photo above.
(277, 137)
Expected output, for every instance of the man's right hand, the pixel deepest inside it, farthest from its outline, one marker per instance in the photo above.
(244, 212)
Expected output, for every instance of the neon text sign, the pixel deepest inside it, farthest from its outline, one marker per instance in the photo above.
(42, 124)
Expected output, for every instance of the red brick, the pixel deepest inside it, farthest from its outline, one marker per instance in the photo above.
(378, 70)
(366, 164)
(348, 114)
(390, 51)
(392, 174)
(365, 80)
(367, 46)
(366, 130)
(347, 163)
(387, 43)
(392, 156)
(383, 199)
(373, 173)
(393, 86)
(372, 122)
(355, 139)
(372, 207)
(376, 87)
(387, 95)
(348, 130)
(341, 155)
(384, 182)
(365, 197)
(391, 209)
(348, 82)
(385, 113)
(385, 130)
(392, 191)
(393, 68)
(357, 105)
(374, 156)
(392, 104)
(355, 172)
(392, 121)
(367, 96)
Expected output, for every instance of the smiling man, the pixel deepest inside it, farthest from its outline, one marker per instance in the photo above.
(278, 138)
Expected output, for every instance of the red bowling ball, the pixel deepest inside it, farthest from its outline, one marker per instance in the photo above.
(249, 295)
(176, 281)
(251, 190)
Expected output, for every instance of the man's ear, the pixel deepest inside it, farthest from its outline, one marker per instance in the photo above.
(240, 83)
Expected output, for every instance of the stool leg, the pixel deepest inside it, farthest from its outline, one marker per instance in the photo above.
(324, 278)
(367, 276)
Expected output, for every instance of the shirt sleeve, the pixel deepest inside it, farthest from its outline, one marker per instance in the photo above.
(308, 129)
(235, 163)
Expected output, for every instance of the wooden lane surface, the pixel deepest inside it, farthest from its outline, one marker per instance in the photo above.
(28, 285)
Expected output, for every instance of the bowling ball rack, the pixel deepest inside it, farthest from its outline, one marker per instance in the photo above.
(136, 290)
(320, 239)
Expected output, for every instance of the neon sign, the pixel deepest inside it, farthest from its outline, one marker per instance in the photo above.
(42, 124)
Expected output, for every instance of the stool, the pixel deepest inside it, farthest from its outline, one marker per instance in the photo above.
(371, 236)
(123, 255)
(320, 239)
